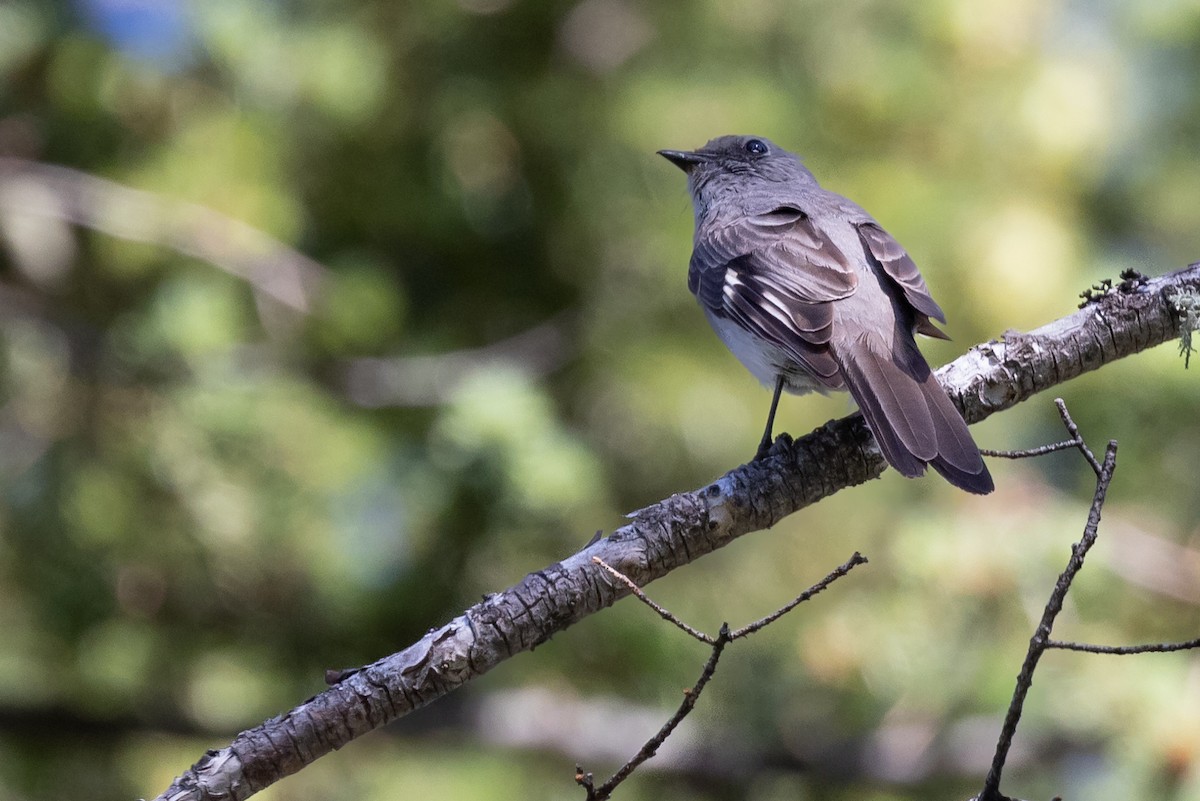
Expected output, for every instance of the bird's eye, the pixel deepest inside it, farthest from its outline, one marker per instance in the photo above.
(757, 147)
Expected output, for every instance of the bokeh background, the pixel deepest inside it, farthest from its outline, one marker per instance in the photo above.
(318, 320)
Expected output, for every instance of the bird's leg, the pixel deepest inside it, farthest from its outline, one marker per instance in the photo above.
(765, 445)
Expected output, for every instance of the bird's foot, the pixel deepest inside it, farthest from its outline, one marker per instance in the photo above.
(781, 444)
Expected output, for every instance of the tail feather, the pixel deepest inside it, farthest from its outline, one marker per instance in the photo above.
(912, 418)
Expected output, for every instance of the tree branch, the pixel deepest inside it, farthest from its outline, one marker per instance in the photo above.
(1039, 642)
(272, 268)
(1125, 650)
(989, 378)
(692, 694)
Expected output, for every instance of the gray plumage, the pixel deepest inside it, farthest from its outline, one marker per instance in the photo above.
(810, 293)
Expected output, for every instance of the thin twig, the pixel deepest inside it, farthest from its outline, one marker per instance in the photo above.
(1073, 430)
(585, 779)
(1123, 650)
(854, 561)
(1041, 637)
(1076, 442)
(270, 266)
(663, 613)
(690, 696)
(1030, 453)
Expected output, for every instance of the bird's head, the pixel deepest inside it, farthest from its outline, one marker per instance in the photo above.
(735, 166)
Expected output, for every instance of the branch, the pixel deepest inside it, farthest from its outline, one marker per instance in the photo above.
(1039, 643)
(270, 267)
(1125, 650)
(990, 378)
(692, 694)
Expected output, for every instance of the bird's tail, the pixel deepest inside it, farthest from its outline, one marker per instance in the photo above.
(912, 418)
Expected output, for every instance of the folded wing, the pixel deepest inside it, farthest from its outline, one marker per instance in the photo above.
(777, 276)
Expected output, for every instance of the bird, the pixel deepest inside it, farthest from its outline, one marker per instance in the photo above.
(810, 293)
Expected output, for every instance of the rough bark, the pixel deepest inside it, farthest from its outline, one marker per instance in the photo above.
(990, 378)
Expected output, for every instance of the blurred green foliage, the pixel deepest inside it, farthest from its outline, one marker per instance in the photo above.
(227, 466)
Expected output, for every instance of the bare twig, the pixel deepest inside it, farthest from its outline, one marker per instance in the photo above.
(1041, 642)
(1030, 453)
(663, 613)
(1125, 650)
(1076, 442)
(853, 562)
(650, 748)
(585, 779)
(1041, 637)
(1073, 430)
(269, 266)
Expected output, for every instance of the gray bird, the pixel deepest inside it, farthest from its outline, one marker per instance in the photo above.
(810, 293)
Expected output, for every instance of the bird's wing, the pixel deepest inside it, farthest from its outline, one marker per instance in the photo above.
(899, 266)
(776, 274)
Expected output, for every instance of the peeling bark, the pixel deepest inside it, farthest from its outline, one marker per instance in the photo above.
(989, 378)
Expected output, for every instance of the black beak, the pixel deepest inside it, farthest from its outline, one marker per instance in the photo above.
(684, 159)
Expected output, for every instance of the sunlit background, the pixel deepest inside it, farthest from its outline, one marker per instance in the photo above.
(319, 320)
